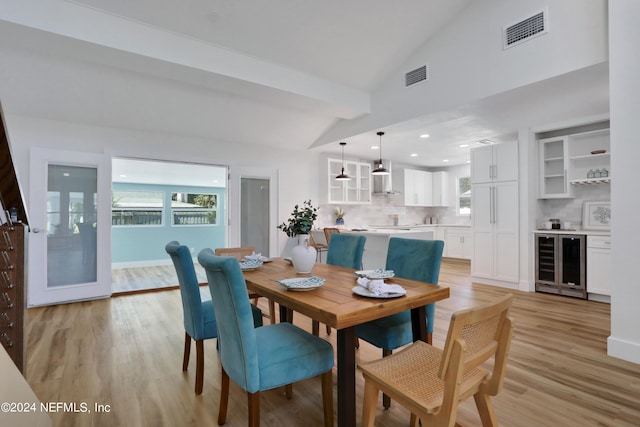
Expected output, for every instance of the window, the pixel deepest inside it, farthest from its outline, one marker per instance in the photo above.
(137, 208)
(194, 209)
(464, 195)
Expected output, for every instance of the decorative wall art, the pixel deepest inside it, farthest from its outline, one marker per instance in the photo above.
(596, 215)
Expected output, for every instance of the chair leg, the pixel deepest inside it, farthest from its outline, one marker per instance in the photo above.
(288, 391)
(253, 399)
(485, 409)
(199, 365)
(327, 397)
(386, 400)
(187, 351)
(413, 422)
(369, 403)
(224, 397)
(272, 311)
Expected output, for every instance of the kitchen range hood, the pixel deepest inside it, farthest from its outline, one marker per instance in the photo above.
(382, 184)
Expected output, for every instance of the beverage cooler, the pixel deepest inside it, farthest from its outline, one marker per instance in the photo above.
(560, 264)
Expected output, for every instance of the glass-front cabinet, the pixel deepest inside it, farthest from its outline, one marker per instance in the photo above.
(355, 191)
(579, 158)
(553, 167)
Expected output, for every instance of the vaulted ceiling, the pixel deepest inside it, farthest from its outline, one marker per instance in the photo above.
(278, 72)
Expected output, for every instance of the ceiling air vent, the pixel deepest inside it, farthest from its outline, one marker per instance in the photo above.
(416, 76)
(526, 29)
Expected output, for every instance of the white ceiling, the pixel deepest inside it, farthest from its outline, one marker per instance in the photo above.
(278, 72)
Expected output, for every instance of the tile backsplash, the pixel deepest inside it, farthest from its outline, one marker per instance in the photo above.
(381, 212)
(571, 209)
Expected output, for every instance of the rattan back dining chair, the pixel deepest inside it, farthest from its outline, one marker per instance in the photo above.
(431, 382)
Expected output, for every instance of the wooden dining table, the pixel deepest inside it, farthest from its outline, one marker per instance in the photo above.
(335, 305)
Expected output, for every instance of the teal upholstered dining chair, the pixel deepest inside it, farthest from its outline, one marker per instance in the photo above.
(410, 259)
(345, 250)
(199, 320)
(263, 358)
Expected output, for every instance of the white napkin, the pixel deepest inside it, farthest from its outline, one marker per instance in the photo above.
(254, 256)
(378, 287)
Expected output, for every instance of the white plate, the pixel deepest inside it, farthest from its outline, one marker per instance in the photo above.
(375, 274)
(250, 264)
(302, 283)
(364, 292)
(262, 258)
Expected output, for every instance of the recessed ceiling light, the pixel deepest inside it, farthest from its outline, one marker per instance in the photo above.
(468, 161)
(123, 176)
(414, 154)
(374, 147)
(424, 135)
(464, 145)
(445, 160)
(66, 174)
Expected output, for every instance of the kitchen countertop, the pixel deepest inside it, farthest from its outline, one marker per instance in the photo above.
(573, 231)
(413, 226)
(385, 231)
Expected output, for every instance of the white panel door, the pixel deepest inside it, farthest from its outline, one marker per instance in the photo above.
(506, 231)
(70, 243)
(482, 210)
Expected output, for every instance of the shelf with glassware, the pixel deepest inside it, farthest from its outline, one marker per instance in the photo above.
(576, 159)
(355, 191)
(590, 158)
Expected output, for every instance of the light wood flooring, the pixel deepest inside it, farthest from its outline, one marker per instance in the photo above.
(126, 352)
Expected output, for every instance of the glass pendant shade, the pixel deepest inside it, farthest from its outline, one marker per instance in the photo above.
(380, 169)
(343, 176)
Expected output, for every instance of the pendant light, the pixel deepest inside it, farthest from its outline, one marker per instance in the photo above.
(343, 176)
(380, 169)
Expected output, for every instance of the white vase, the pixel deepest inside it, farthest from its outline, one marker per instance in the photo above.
(303, 256)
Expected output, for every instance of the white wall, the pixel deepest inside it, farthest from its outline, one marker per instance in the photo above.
(624, 63)
(467, 61)
(297, 174)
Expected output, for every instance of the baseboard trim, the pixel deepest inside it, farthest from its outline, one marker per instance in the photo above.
(493, 282)
(622, 349)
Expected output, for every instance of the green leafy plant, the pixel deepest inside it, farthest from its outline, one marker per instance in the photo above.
(301, 220)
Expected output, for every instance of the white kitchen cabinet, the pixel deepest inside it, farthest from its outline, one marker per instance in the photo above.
(441, 234)
(599, 265)
(494, 212)
(494, 216)
(569, 160)
(585, 167)
(357, 190)
(554, 165)
(440, 188)
(459, 243)
(417, 188)
(493, 163)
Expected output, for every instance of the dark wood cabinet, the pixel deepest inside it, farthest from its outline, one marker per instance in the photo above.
(12, 295)
(12, 254)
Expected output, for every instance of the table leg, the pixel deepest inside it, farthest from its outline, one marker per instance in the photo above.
(419, 323)
(286, 314)
(346, 377)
